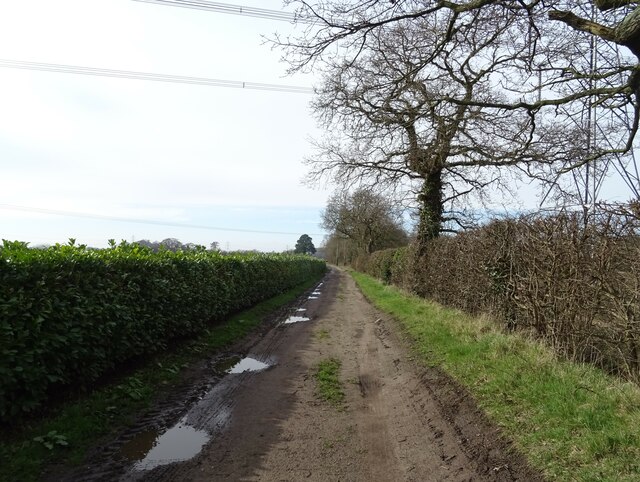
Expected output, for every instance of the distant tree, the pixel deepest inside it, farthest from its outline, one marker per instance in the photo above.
(340, 250)
(215, 246)
(171, 244)
(368, 220)
(304, 245)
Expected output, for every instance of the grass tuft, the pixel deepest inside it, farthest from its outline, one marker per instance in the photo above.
(571, 420)
(322, 334)
(329, 387)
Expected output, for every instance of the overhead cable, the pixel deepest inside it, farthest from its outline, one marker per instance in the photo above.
(128, 74)
(139, 221)
(234, 10)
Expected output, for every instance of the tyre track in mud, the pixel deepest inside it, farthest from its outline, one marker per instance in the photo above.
(400, 421)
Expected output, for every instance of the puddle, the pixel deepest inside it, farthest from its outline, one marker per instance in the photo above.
(301, 309)
(313, 297)
(296, 319)
(316, 293)
(140, 445)
(151, 448)
(247, 365)
(223, 366)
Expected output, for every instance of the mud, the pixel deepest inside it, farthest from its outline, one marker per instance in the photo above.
(252, 413)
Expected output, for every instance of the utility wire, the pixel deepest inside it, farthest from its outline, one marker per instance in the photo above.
(234, 10)
(127, 74)
(101, 217)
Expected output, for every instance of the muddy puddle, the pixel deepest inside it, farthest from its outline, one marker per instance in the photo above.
(153, 448)
(248, 365)
(301, 309)
(238, 364)
(295, 319)
(313, 297)
(208, 416)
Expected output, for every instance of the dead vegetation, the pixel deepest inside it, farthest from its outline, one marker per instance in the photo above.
(571, 280)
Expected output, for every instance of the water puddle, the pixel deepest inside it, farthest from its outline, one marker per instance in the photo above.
(247, 365)
(151, 448)
(207, 417)
(316, 293)
(237, 364)
(301, 309)
(313, 297)
(223, 366)
(296, 319)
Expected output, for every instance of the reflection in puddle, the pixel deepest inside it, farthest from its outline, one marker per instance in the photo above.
(316, 293)
(139, 446)
(301, 309)
(207, 417)
(296, 319)
(179, 443)
(313, 297)
(247, 365)
(223, 366)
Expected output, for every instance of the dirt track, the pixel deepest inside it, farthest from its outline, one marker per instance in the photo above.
(399, 422)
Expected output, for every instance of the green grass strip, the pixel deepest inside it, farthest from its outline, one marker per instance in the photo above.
(328, 383)
(570, 420)
(66, 435)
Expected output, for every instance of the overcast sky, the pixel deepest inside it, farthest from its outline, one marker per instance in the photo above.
(164, 152)
(172, 154)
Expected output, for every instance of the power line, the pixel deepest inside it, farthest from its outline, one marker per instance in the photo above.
(234, 10)
(101, 217)
(128, 74)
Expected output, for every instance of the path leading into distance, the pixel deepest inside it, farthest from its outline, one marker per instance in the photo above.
(400, 421)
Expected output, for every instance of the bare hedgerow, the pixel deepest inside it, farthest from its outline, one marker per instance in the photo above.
(576, 285)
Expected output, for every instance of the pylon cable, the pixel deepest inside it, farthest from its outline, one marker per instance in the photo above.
(234, 10)
(128, 74)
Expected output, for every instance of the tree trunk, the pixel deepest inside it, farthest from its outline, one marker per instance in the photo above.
(430, 206)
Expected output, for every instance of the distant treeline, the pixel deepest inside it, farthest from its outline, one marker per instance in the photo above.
(173, 244)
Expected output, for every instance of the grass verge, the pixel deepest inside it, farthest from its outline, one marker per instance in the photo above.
(328, 383)
(66, 435)
(570, 420)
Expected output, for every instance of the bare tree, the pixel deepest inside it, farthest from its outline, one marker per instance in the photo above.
(368, 220)
(404, 116)
(518, 60)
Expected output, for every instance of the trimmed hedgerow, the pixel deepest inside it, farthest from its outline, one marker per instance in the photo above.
(70, 314)
(573, 282)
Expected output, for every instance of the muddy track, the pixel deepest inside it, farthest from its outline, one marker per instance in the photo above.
(400, 421)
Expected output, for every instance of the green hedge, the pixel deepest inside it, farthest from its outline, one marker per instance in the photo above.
(70, 314)
(389, 265)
